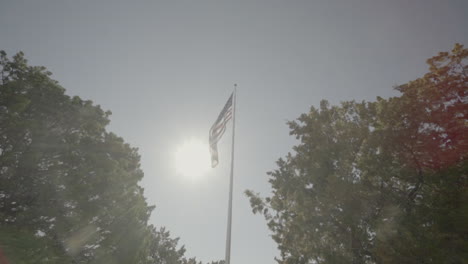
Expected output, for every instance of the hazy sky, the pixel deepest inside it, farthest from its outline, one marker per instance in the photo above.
(166, 68)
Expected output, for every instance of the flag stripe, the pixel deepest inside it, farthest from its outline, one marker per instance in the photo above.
(226, 114)
(220, 123)
(218, 128)
(218, 131)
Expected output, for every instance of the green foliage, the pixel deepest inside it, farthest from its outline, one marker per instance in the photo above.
(69, 189)
(23, 247)
(378, 182)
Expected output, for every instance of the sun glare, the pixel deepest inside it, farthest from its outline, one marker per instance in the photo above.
(192, 158)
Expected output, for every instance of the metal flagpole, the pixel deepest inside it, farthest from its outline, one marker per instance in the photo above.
(229, 222)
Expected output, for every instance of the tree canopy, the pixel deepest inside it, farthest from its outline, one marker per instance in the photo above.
(378, 182)
(69, 189)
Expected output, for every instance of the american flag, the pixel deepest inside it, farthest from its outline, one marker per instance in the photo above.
(217, 130)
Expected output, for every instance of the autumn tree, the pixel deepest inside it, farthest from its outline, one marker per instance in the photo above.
(378, 182)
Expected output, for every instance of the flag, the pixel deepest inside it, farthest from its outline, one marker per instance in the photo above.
(217, 130)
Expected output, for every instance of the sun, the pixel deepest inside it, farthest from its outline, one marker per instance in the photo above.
(192, 158)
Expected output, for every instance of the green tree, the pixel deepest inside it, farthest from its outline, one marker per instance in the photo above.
(378, 182)
(69, 189)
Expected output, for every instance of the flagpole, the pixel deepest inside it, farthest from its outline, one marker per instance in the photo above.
(229, 220)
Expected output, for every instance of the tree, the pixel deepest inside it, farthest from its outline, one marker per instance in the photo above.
(69, 189)
(378, 182)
